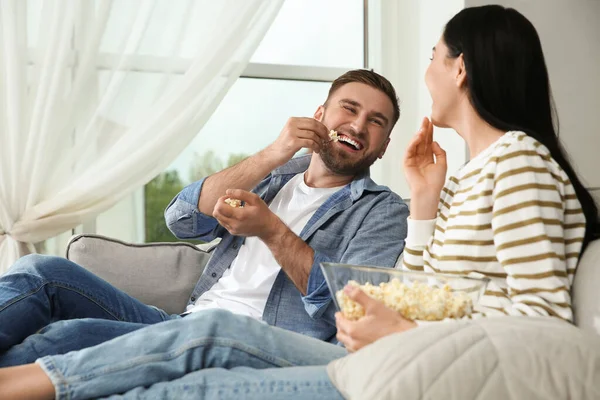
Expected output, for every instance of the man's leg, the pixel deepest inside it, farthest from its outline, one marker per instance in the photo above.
(64, 336)
(294, 383)
(38, 290)
(170, 350)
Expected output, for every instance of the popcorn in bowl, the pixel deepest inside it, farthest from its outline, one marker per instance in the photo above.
(235, 203)
(418, 301)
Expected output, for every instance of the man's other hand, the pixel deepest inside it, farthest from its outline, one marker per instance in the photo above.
(254, 218)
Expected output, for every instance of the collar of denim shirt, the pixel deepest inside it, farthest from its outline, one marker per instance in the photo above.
(360, 184)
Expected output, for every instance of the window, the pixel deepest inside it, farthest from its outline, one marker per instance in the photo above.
(310, 43)
(315, 33)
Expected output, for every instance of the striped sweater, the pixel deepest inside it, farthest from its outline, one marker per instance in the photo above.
(512, 215)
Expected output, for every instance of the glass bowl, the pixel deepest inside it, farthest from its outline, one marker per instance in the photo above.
(337, 277)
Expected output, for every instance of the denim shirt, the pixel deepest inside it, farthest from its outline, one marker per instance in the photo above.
(362, 223)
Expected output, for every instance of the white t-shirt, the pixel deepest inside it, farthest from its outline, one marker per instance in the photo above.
(246, 284)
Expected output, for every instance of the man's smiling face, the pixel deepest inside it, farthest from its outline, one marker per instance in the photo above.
(362, 116)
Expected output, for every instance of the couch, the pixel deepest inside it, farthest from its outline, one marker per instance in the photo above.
(508, 358)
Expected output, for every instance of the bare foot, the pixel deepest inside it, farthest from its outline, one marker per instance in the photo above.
(25, 382)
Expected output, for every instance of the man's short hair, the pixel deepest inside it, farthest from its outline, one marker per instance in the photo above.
(373, 79)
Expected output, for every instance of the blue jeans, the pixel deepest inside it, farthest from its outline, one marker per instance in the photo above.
(64, 336)
(295, 383)
(39, 290)
(212, 355)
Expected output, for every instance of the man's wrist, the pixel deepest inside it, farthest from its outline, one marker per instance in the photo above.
(275, 232)
(271, 158)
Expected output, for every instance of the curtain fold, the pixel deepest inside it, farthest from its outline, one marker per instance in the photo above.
(97, 97)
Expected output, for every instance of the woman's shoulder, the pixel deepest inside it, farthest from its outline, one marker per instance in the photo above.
(517, 143)
(522, 153)
(518, 148)
(515, 153)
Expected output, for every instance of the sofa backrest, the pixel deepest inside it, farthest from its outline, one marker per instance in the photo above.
(586, 289)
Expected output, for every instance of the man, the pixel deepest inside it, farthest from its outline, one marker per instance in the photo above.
(311, 209)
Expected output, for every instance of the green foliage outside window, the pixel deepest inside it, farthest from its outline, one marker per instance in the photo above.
(160, 191)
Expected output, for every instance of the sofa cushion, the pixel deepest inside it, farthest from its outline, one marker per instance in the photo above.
(586, 302)
(158, 274)
(489, 358)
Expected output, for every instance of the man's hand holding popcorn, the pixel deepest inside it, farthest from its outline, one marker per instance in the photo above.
(235, 203)
(254, 218)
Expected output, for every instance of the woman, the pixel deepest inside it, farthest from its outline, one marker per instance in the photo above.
(516, 213)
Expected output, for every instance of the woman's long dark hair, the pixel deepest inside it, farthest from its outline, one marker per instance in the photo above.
(509, 86)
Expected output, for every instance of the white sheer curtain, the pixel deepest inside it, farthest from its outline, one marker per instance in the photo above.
(81, 125)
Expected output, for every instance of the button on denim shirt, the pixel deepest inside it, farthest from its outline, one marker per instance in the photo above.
(362, 223)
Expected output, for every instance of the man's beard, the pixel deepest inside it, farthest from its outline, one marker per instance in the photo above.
(339, 163)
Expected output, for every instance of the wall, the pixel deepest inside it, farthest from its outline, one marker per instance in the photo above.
(570, 36)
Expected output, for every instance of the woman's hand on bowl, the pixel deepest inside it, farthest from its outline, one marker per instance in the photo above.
(378, 321)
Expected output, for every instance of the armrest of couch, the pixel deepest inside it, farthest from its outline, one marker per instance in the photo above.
(158, 274)
(586, 305)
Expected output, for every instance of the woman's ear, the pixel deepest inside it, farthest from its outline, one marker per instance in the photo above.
(461, 72)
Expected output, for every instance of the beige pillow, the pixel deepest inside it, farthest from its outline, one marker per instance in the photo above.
(158, 274)
(493, 358)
